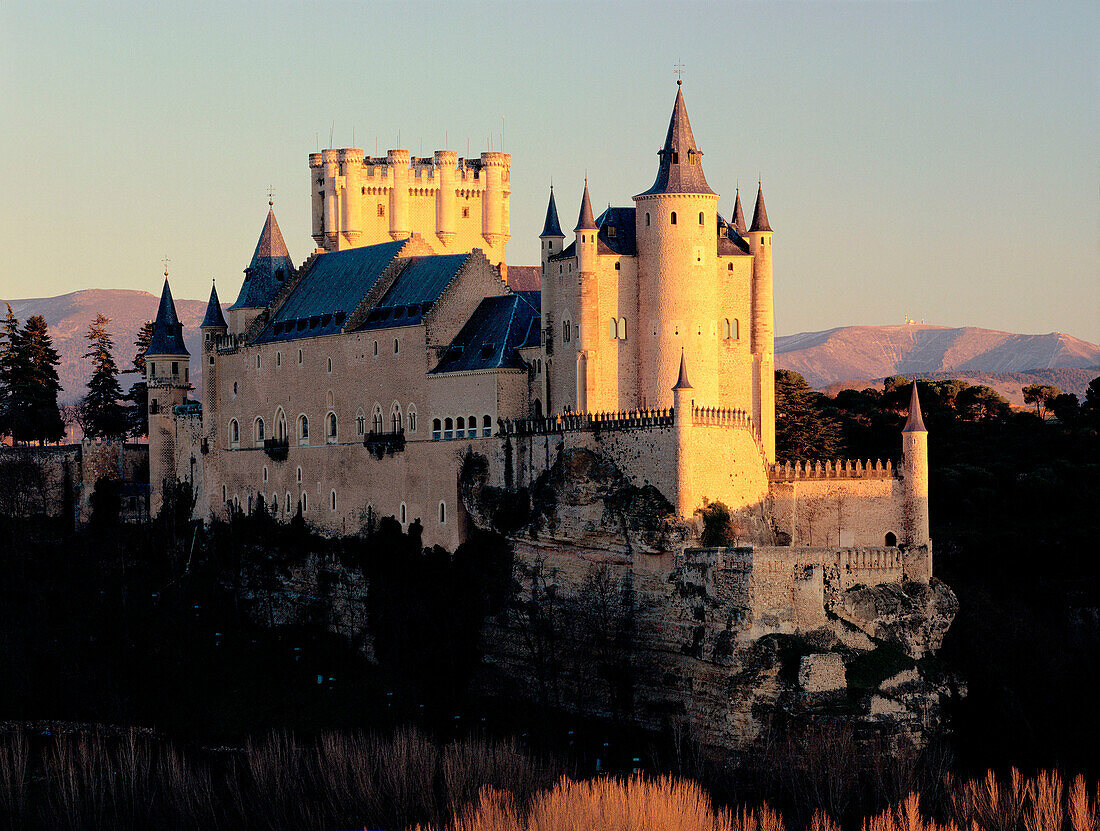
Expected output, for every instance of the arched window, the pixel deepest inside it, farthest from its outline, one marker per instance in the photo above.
(280, 425)
(471, 427)
(265, 474)
(360, 423)
(486, 426)
(701, 222)
(565, 328)
(234, 434)
(298, 476)
(258, 430)
(735, 329)
(299, 357)
(726, 328)
(622, 328)
(442, 513)
(437, 430)
(305, 502)
(376, 419)
(330, 424)
(332, 501)
(396, 346)
(538, 408)
(303, 429)
(674, 217)
(647, 219)
(274, 503)
(396, 423)
(412, 419)
(613, 329)
(288, 502)
(891, 539)
(404, 514)
(225, 496)
(448, 428)
(330, 364)
(729, 266)
(250, 504)
(460, 427)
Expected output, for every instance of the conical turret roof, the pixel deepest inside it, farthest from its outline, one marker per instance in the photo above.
(167, 336)
(270, 266)
(585, 221)
(551, 227)
(915, 422)
(214, 319)
(759, 214)
(682, 383)
(738, 222)
(681, 167)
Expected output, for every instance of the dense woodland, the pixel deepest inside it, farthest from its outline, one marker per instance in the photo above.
(163, 625)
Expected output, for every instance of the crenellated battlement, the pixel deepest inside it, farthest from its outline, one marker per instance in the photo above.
(574, 422)
(837, 469)
(720, 417)
(382, 171)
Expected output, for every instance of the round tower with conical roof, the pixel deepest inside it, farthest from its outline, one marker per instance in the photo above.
(762, 345)
(677, 292)
(914, 451)
(213, 327)
(167, 376)
(267, 273)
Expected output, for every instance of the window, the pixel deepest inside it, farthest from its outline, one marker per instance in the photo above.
(381, 209)
(891, 539)
(622, 328)
(305, 502)
(376, 349)
(234, 388)
(225, 496)
(460, 427)
(332, 501)
(153, 369)
(404, 516)
(618, 267)
(330, 365)
(701, 222)
(234, 434)
(437, 430)
(465, 213)
(674, 217)
(396, 346)
(729, 266)
(265, 474)
(565, 330)
(280, 425)
(330, 433)
(675, 159)
(299, 357)
(250, 504)
(303, 430)
(257, 363)
(471, 428)
(726, 328)
(613, 329)
(360, 423)
(298, 476)
(274, 503)
(486, 426)
(376, 419)
(176, 367)
(211, 360)
(412, 419)
(278, 359)
(442, 513)
(448, 428)
(735, 329)
(258, 430)
(396, 423)
(288, 502)
(647, 219)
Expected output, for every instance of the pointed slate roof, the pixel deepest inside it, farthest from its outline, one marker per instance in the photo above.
(270, 266)
(681, 167)
(739, 216)
(551, 227)
(915, 422)
(167, 336)
(214, 319)
(759, 215)
(682, 383)
(491, 338)
(585, 222)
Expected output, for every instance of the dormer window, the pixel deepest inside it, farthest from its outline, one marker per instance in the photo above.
(675, 157)
(611, 231)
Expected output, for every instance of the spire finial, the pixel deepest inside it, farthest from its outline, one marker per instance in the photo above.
(270, 195)
(678, 68)
(166, 261)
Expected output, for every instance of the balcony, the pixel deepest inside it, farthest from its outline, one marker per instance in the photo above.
(380, 444)
(277, 449)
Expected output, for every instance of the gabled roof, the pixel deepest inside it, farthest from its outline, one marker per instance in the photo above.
(414, 291)
(738, 222)
(617, 230)
(915, 422)
(495, 331)
(681, 167)
(270, 266)
(584, 219)
(551, 227)
(167, 338)
(332, 288)
(524, 277)
(760, 215)
(730, 242)
(214, 319)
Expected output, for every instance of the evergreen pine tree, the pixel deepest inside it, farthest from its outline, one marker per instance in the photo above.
(138, 414)
(104, 415)
(14, 375)
(42, 422)
(803, 432)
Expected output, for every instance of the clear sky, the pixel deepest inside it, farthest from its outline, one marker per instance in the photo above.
(939, 160)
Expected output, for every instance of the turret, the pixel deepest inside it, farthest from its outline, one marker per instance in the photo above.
(445, 204)
(269, 269)
(762, 342)
(677, 250)
(213, 326)
(494, 212)
(553, 239)
(682, 403)
(167, 376)
(738, 221)
(398, 163)
(586, 232)
(914, 449)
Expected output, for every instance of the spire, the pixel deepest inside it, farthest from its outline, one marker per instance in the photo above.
(682, 383)
(759, 215)
(585, 222)
(738, 216)
(681, 166)
(551, 227)
(915, 423)
(167, 336)
(270, 266)
(214, 318)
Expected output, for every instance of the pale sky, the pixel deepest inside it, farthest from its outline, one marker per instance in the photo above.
(932, 159)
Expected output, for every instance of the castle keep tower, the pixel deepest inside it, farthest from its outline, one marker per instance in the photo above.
(914, 450)
(762, 342)
(677, 292)
(168, 379)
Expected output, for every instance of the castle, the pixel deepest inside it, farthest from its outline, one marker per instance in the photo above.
(351, 386)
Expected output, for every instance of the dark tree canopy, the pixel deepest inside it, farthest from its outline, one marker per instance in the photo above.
(14, 375)
(104, 415)
(138, 395)
(42, 420)
(1042, 396)
(803, 430)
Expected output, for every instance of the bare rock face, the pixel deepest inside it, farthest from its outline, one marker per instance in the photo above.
(914, 616)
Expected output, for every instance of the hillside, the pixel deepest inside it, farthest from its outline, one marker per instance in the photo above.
(875, 352)
(68, 317)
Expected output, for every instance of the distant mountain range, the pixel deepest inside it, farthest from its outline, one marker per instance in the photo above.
(850, 356)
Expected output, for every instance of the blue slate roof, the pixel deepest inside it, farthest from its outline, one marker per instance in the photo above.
(551, 227)
(681, 167)
(415, 290)
(495, 331)
(270, 266)
(214, 317)
(337, 281)
(620, 240)
(167, 336)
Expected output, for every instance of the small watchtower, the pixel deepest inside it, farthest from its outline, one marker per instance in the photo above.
(168, 378)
